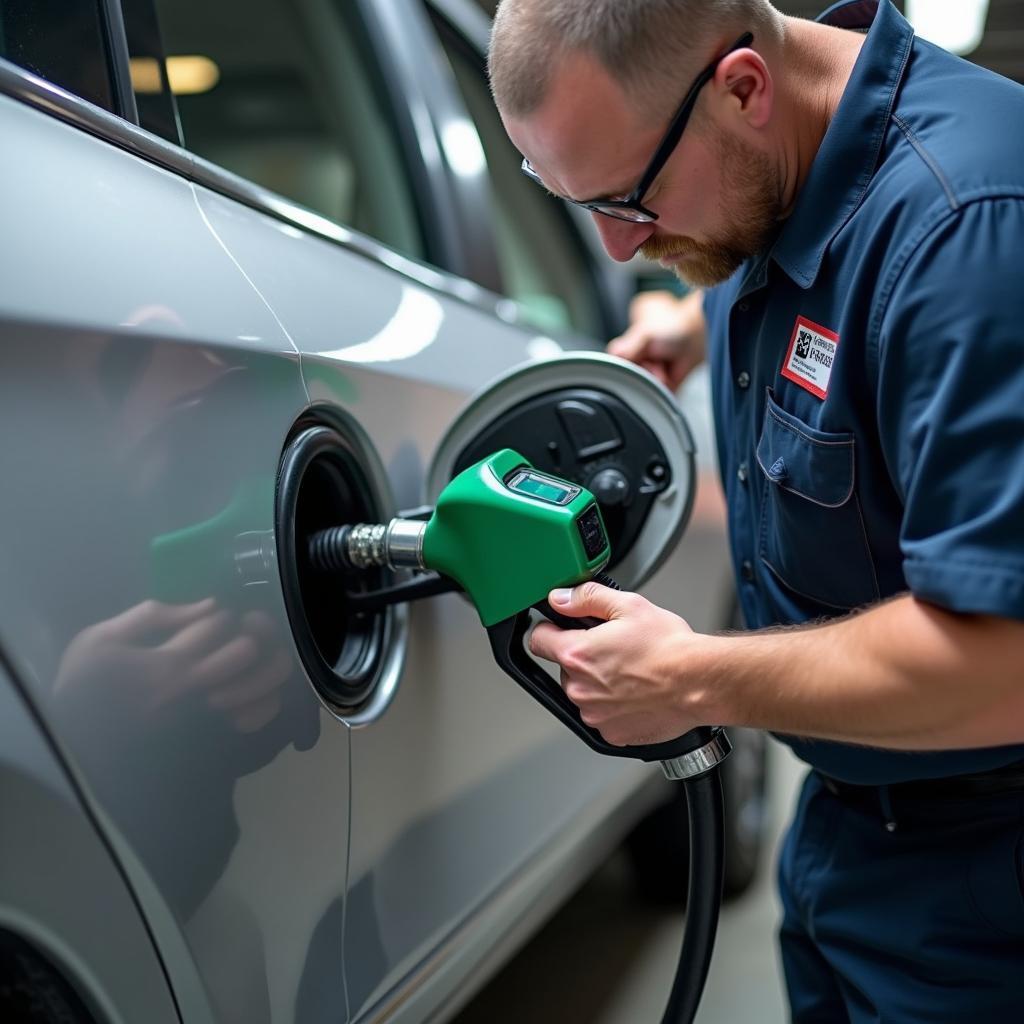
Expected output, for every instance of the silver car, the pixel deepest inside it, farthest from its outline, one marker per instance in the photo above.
(269, 267)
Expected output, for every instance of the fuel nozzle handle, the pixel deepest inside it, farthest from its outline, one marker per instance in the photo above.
(686, 757)
(579, 621)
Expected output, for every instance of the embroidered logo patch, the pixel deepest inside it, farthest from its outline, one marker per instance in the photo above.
(812, 351)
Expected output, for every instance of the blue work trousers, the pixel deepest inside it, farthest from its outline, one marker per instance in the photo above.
(908, 912)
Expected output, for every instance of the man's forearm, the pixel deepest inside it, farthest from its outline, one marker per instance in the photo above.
(902, 675)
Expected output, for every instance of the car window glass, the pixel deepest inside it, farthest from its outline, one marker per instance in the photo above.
(153, 98)
(63, 41)
(278, 92)
(544, 265)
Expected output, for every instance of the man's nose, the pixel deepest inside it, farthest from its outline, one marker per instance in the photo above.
(621, 238)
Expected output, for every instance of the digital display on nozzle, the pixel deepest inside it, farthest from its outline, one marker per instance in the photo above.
(537, 485)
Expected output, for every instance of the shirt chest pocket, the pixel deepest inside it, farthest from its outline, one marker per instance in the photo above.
(812, 533)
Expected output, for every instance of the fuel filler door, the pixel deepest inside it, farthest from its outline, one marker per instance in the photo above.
(597, 421)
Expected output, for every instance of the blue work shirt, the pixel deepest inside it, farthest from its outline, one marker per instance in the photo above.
(868, 369)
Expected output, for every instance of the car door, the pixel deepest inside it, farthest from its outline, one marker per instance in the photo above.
(146, 394)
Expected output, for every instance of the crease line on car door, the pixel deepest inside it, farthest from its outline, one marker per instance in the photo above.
(252, 284)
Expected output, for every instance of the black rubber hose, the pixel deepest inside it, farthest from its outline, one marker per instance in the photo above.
(328, 549)
(704, 801)
(704, 896)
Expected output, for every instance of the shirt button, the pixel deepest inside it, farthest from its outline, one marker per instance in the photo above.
(741, 473)
(743, 379)
(747, 572)
(744, 307)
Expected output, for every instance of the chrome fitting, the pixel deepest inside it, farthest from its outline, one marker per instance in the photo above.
(403, 543)
(364, 545)
(699, 761)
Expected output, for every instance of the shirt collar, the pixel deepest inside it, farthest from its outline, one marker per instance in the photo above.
(846, 160)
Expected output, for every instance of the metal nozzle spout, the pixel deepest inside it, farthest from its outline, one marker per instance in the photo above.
(397, 545)
(403, 544)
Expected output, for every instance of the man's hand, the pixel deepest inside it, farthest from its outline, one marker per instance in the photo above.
(665, 335)
(902, 675)
(627, 676)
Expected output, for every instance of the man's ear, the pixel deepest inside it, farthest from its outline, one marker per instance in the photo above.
(744, 85)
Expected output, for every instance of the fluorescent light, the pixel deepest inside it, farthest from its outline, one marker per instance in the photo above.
(192, 74)
(185, 74)
(955, 25)
(145, 72)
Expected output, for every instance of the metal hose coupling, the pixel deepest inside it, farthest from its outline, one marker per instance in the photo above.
(700, 761)
(364, 545)
(397, 545)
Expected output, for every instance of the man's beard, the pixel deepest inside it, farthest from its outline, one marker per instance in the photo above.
(750, 199)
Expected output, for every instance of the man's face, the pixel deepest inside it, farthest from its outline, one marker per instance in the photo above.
(718, 198)
(749, 205)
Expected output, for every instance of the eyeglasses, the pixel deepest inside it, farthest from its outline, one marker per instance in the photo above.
(631, 208)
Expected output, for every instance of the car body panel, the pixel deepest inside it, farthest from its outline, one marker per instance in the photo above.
(348, 313)
(146, 385)
(57, 879)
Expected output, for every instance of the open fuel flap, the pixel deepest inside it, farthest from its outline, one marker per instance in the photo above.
(599, 422)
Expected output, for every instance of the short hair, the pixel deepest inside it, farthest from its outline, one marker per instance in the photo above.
(647, 46)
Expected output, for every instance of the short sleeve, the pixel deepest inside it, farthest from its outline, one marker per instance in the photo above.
(951, 409)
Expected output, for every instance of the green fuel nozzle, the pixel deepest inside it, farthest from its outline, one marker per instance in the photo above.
(508, 534)
(503, 532)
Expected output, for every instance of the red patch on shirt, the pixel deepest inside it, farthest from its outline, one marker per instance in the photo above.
(811, 355)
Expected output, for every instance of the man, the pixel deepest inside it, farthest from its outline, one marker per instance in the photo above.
(853, 198)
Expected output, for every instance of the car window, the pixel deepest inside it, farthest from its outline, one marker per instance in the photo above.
(279, 93)
(153, 98)
(544, 265)
(63, 41)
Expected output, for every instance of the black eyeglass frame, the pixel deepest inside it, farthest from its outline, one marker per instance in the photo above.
(621, 209)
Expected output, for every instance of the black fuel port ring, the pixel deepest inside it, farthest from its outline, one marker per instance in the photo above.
(321, 482)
